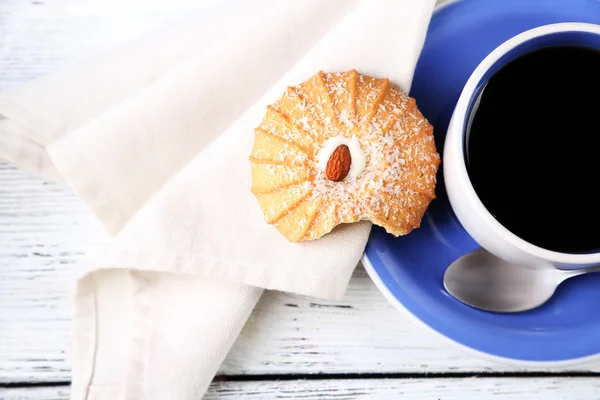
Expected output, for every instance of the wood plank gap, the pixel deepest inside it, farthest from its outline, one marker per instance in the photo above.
(403, 375)
(9, 385)
(355, 376)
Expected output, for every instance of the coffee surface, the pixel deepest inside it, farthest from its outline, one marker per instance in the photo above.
(532, 148)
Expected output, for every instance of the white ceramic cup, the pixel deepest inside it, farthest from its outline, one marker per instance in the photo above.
(472, 214)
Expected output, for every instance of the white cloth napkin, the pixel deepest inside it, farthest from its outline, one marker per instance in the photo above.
(155, 137)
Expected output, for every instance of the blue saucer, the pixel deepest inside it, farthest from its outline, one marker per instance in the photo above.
(409, 269)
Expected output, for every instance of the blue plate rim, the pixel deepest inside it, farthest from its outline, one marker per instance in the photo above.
(571, 362)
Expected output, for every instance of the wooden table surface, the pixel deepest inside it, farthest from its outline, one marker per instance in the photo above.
(292, 346)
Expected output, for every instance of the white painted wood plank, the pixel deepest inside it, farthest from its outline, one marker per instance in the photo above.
(412, 389)
(376, 389)
(35, 393)
(39, 35)
(45, 232)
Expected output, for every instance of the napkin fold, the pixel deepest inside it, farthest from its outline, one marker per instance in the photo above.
(155, 137)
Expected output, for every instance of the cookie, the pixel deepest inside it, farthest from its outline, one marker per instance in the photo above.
(341, 148)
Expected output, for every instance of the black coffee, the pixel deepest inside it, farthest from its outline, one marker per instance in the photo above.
(533, 148)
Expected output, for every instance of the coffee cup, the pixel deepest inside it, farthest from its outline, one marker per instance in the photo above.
(479, 219)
